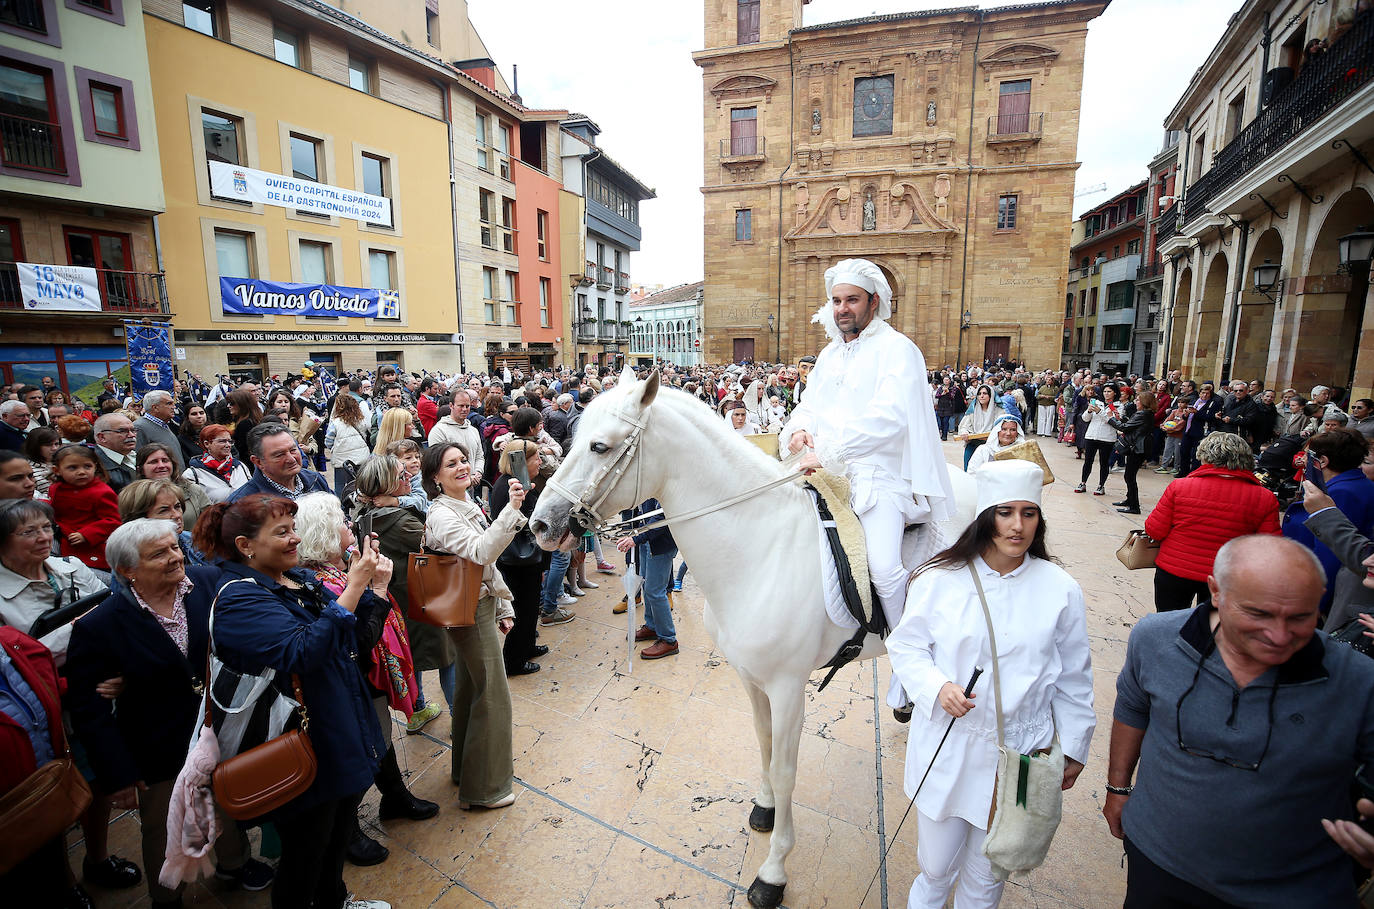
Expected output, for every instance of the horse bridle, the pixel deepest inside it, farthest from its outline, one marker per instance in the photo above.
(585, 509)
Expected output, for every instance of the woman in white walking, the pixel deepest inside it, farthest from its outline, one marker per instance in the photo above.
(1044, 666)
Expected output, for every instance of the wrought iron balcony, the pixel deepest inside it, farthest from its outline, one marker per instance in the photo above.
(1014, 127)
(744, 147)
(622, 332)
(1168, 225)
(122, 292)
(586, 331)
(1146, 272)
(1324, 82)
(605, 331)
(31, 144)
(605, 278)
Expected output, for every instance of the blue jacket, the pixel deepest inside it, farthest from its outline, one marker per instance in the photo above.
(1353, 494)
(660, 539)
(142, 734)
(258, 485)
(265, 625)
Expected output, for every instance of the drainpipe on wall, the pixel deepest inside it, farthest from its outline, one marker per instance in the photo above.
(968, 190)
(1233, 328)
(791, 152)
(453, 208)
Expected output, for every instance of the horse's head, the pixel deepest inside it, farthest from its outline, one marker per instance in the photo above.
(599, 477)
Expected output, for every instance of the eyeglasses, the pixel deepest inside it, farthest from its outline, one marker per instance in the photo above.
(30, 533)
(1252, 766)
(122, 432)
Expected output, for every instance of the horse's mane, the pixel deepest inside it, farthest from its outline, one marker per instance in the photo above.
(737, 450)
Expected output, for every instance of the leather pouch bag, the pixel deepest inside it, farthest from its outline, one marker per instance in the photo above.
(442, 590)
(1138, 551)
(262, 779)
(1028, 798)
(45, 804)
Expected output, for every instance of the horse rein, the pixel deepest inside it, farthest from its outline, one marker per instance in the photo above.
(585, 509)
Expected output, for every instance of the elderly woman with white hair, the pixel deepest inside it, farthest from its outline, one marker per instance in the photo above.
(153, 631)
(383, 655)
(996, 583)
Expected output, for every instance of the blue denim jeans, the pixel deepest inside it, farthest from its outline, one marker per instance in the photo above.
(553, 582)
(658, 574)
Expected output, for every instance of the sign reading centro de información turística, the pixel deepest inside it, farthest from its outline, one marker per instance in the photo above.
(232, 181)
(253, 297)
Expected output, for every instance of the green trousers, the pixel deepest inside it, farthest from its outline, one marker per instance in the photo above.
(483, 766)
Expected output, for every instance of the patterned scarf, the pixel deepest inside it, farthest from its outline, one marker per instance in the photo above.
(224, 468)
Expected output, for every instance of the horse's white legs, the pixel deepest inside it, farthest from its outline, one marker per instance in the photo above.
(763, 728)
(786, 697)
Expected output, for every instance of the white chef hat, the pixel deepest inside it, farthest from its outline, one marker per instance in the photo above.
(1015, 480)
(861, 273)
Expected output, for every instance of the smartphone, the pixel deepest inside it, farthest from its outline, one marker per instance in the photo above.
(364, 529)
(519, 469)
(1313, 473)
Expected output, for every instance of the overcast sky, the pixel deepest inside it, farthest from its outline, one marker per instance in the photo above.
(628, 66)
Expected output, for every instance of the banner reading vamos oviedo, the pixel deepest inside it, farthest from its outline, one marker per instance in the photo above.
(254, 297)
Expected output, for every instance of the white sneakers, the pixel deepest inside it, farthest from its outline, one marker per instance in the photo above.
(566, 600)
(351, 903)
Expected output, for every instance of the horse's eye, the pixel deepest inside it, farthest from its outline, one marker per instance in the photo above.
(600, 447)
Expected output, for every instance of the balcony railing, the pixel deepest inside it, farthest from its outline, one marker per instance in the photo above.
(1015, 126)
(744, 147)
(24, 14)
(120, 291)
(622, 332)
(604, 279)
(1168, 225)
(1146, 272)
(586, 331)
(1324, 82)
(605, 331)
(31, 144)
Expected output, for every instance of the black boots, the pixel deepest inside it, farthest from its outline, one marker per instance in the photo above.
(397, 801)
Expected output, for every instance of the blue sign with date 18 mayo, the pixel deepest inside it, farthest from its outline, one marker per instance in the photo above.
(255, 297)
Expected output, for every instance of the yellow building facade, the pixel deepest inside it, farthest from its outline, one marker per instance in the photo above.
(942, 145)
(293, 90)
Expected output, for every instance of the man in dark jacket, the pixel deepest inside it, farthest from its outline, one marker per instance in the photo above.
(558, 422)
(1238, 413)
(654, 552)
(14, 421)
(277, 462)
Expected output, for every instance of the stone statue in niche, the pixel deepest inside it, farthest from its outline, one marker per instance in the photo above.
(870, 212)
(930, 112)
(815, 119)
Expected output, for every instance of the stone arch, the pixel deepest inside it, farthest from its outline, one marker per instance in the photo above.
(1332, 306)
(1178, 316)
(1255, 327)
(1207, 338)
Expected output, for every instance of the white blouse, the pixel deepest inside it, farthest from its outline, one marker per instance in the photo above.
(1046, 677)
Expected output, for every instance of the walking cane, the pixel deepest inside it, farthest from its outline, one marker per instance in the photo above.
(968, 690)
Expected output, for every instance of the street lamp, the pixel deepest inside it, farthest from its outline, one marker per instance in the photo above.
(1356, 249)
(771, 322)
(967, 321)
(1266, 279)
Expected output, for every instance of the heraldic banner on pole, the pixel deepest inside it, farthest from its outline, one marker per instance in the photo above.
(149, 346)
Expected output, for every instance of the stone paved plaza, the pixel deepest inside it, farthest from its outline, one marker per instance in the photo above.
(633, 790)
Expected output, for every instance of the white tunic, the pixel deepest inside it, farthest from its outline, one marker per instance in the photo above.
(1046, 673)
(869, 410)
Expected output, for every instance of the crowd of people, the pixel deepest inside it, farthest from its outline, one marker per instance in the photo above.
(288, 509)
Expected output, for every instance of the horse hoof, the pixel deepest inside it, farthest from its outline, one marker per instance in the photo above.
(763, 895)
(761, 819)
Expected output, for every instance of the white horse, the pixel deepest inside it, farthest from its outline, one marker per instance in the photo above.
(757, 562)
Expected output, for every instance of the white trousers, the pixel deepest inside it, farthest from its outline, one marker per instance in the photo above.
(950, 851)
(1046, 419)
(883, 526)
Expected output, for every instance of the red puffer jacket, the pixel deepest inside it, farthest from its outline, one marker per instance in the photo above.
(35, 664)
(1200, 513)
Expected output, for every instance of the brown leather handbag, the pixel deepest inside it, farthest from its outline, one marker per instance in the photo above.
(42, 807)
(262, 779)
(442, 589)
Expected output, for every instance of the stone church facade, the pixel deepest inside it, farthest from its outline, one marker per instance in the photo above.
(941, 145)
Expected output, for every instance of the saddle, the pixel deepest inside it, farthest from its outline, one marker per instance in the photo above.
(849, 549)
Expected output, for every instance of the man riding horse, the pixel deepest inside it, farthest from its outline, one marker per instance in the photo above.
(868, 416)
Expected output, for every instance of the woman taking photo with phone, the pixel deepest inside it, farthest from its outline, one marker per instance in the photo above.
(522, 563)
(483, 765)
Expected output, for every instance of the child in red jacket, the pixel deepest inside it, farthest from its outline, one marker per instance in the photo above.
(86, 508)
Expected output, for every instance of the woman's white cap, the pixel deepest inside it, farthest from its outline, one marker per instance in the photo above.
(1013, 480)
